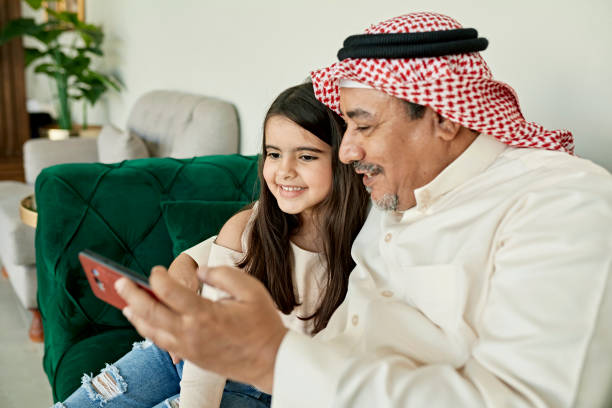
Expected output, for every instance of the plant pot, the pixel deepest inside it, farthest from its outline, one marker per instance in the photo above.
(92, 131)
(54, 133)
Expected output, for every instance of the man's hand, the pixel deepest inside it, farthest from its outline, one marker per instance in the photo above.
(236, 337)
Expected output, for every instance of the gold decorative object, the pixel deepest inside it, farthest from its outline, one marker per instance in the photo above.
(75, 6)
(27, 211)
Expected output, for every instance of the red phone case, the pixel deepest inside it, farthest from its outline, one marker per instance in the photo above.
(102, 273)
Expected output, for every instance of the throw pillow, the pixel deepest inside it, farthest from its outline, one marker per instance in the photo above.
(115, 145)
(191, 222)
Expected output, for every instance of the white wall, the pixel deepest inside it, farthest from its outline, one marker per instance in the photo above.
(556, 54)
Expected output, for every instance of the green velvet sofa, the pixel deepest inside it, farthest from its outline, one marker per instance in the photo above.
(139, 213)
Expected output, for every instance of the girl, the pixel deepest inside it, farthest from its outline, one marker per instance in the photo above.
(296, 239)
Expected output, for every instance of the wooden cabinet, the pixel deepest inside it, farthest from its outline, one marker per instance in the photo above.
(14, 122)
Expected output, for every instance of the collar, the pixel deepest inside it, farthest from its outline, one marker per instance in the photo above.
(474, 160)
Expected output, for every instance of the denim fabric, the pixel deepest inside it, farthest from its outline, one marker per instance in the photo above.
(242, 395)
(149, 377)
(146, 378)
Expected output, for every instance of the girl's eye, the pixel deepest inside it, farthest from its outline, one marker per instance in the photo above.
(307, 157)
(273, 155)
(362, 128)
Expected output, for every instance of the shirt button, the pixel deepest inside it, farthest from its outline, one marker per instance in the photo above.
(387, 293)
(355, 320)
(388, 237)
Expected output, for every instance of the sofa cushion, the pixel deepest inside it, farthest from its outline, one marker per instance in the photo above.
(183, 125)
(115, 145)
(191, 222)
(212, 129)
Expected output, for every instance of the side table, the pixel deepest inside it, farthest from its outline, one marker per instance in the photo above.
(29, 216)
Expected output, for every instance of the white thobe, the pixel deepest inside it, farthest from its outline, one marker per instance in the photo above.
(492, 291)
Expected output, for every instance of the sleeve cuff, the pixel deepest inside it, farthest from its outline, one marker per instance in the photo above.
(304, 364)
(199, 253)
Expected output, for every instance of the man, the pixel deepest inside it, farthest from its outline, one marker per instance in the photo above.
(483, 271)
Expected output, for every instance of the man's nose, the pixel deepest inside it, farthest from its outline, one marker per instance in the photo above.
(350, 149)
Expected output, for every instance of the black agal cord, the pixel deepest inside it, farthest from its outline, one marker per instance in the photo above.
(412, 45)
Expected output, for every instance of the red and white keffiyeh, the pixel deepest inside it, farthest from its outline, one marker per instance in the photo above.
(459, 87)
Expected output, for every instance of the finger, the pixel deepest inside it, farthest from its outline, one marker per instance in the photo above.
(236, 283)
(173, 294)
(175, 358)
(142, 307)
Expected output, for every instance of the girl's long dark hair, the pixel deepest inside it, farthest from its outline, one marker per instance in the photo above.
(339, 216)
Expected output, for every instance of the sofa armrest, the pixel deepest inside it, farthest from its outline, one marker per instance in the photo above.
(41, 153)
(113, 209)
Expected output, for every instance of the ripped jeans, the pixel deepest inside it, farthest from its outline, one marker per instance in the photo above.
(146, 377)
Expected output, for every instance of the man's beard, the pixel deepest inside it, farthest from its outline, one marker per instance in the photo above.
(388, 202)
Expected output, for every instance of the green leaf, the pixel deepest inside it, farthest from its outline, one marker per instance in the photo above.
(49, 69)
(92, 35)
(49, 36)
(108, 80)
(19, 27)
(69, 17)
(76, 65)
(94, 93)
(57, 16)
(35, 4)
(93, 50)
(32, 54)
(113, 82)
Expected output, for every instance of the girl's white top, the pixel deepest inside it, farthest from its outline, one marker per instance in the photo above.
(201, 388)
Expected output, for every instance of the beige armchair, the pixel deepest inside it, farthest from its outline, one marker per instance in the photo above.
(160, 124)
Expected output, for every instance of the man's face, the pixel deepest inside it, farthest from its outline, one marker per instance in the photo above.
(395, 153)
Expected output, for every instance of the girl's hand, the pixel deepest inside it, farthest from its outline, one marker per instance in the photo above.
(184, 270)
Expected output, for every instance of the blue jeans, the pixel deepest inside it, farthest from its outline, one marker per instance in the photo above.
(146, 377)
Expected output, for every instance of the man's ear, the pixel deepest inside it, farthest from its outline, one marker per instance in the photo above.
(446, 129)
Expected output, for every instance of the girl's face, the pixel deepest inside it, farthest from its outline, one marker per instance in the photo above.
(297, 166)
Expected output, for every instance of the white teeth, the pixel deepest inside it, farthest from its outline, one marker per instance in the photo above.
(287, 188)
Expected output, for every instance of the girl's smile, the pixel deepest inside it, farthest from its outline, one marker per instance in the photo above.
(291, 191)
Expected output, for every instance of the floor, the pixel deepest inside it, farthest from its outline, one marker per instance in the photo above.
(23, 383)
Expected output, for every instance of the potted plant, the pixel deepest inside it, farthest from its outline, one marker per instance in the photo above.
(66, 48)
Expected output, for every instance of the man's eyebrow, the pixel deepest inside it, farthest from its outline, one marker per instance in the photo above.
(359, 113)
(298, 149)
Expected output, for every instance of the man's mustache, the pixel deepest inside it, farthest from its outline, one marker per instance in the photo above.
(370, 168)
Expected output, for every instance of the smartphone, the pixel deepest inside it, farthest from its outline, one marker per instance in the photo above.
(102, 273)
